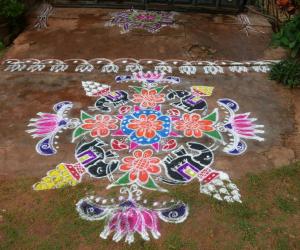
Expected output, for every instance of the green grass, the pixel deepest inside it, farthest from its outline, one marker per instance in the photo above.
(176, 242)
(286, 205)
(267, 218)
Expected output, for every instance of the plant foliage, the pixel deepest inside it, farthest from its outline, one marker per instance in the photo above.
(289, 36)
(1, 45)
(2, 48)
(11, 8)
(286, 72)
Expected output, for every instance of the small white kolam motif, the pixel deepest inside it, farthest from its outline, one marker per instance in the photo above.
(46, 10)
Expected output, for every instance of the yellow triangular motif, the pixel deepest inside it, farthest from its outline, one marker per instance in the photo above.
(59, 177)
(203, 90)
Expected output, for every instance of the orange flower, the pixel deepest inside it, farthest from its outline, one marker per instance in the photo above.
(100, 125)
(148, 98)
(192, 125)
(146, 125)
(140, 165)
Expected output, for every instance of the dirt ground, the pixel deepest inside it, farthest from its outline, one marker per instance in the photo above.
(81, 33)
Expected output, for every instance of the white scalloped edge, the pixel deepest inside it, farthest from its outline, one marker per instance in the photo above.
(105, 65)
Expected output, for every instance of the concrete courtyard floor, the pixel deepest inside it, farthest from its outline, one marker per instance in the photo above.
(81, 33)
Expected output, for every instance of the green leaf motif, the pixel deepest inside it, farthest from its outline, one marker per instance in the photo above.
(150, 184)
(123, 180)
(137, 89)
(84, 115)
(159, 89)
(213, 116)
(214, 134)
(79, 131)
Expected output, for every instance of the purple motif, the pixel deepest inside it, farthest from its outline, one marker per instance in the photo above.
(188, 171)
(87, 157)
(194, 100)
(114, 96)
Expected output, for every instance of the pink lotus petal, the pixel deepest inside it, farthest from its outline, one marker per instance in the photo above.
(48, 115)
(43, 131)
(114, 221)
(247, 134)
(241, 116)
(46, 124)
(132, 218)
(148, 219)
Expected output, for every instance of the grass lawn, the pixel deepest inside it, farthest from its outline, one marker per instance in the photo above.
(268, 218)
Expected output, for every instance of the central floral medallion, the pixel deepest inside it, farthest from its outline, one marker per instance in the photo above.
(145, 127)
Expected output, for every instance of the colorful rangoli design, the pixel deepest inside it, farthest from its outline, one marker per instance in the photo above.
(151, 21)
(166, 136)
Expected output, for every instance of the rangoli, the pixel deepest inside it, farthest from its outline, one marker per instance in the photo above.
(134, 66)
(151, 137)
(151, 21)
(46, 10)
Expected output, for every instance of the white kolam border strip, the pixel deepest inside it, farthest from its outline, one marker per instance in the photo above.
(134, 65)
